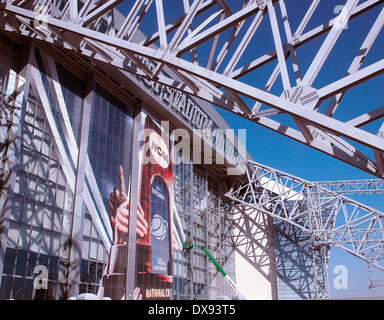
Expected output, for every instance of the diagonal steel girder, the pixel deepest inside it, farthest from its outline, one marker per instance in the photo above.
(326, 216)
(320, 131)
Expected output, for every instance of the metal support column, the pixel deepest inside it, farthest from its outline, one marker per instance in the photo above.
(319, 251)
(371, 280)
(79, 206)
(373, 283)
(133, 200)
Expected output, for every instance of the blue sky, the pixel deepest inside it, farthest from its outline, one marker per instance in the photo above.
(272, 149)
(275, 150)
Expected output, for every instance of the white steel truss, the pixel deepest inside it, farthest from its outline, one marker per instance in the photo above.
(328, 218)
(206, 46)
(351, 187)
(373, 284)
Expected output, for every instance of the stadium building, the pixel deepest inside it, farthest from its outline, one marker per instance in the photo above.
(72, 133)
(114, 160)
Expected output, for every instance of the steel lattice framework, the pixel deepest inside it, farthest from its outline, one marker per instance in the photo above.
(351, 187)
(208, 45)
(328, 218)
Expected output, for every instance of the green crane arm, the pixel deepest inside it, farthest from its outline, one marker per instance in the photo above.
(188, 246)
(217, 265)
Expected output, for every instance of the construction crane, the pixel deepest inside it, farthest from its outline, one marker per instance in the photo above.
(188, 245)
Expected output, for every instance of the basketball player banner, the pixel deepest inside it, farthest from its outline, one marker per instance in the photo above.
(154, 223)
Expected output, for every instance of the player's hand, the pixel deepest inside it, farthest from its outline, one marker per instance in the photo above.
(122, 222)
(116, 199)
(118, 207)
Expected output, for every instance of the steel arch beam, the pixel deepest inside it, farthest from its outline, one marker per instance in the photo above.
(112, 49)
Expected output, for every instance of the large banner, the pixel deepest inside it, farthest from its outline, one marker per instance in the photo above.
(154, 251)
(154, 223)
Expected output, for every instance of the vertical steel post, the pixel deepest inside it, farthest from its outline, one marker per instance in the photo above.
(78, 205)
(133, 200)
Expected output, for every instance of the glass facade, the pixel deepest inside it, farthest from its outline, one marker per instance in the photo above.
(205, 220)
(94, 258)
(39, 189)
(39, 206)
(40, 211)
(110, 140)
(109, 145)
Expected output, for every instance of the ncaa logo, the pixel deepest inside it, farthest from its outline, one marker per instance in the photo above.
(159, 227)
(159, 149)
